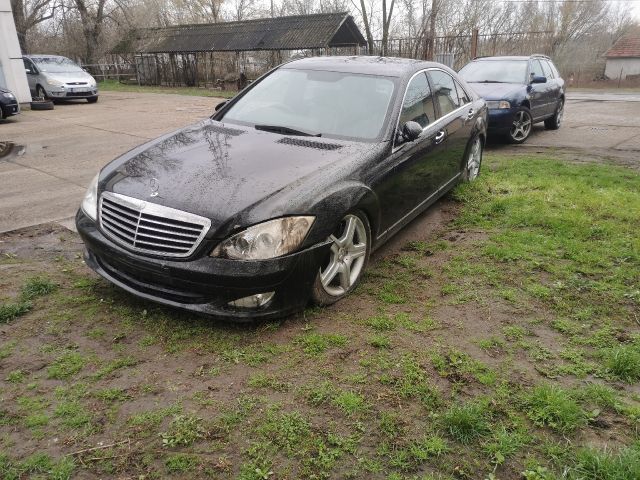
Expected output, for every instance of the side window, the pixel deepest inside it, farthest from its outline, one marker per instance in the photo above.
(554, 69)
(462, 95)
(418, 102)
(444, 91)
(27, 64)
(536, 69)
(546, 69)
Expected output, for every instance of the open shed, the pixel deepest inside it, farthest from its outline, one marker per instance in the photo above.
(210, 52)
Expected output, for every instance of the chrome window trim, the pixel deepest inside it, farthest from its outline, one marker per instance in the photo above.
(453, 113)
(143, 206)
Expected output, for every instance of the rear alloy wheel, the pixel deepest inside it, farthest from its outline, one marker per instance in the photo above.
(474, 160)
(521, 126)
(554, 122)
(347, 260)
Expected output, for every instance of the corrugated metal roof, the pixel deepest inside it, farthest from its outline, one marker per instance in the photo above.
(283, 33)
(628, 46)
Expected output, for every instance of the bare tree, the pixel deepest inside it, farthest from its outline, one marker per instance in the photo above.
(29, 13)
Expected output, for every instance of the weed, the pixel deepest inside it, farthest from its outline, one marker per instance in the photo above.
(184, 430)
(595, 465)
(317, 343)
(624, 362)
(552, 406)
(381, 323)
(286, 430)
(73, 415)
(319, 394)
(37, 287)
(11, 311)
(66, 366)
(114, 365)
(262, 380)
(379, 341)
(180, 463)
(17, 376)
(350, 402)
(467, 422)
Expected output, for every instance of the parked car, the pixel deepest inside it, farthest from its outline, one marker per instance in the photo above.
(519, 91)
(283, 193)
(59, 78)
(8, 103)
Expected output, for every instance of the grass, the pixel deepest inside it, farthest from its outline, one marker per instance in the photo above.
(115, 86)
(503, 345)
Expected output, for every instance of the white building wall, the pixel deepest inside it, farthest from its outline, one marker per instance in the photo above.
(13, 76)
(628, 66)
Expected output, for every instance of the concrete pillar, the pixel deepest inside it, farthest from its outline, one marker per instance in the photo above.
(12, 75)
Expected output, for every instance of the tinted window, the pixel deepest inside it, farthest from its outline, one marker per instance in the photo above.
(495, 71)
(554, 69)
(444, 91)
(418, 102)
(546, 69)
(462, 95)
(329, 103)
(536, 69)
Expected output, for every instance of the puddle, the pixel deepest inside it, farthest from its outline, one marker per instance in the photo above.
(10, 149)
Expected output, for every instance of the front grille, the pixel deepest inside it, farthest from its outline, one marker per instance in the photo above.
(150, 228)
(76, 83)
(79, 94)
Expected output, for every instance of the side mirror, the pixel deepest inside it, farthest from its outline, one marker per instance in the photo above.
(536, 79)
(221, 104)
(411, 131)
(27, 71)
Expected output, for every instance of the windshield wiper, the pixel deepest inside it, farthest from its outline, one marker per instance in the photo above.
(286, 130)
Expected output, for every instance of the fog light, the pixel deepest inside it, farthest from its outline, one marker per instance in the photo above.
(253, 301)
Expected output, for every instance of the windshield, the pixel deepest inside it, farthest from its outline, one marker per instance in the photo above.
(56, 65)
(495, 71)
(318, 103)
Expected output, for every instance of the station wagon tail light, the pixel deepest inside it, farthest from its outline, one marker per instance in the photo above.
(498, 104)
(90, 201)
(266, 240)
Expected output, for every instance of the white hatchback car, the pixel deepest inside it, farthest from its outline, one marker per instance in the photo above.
(58, 78)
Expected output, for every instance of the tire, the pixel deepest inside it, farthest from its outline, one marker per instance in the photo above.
(554, 122)
(349, 251)
(92, 99)
(521, 127)
(41, 92)
(46, 105)
(472, 160)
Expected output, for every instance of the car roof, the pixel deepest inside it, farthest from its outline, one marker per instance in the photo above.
(36, 55)
(510, 57)
(383, 66)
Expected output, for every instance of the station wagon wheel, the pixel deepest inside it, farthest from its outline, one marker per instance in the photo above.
(521, 126)
(473, 160)
(41, 92)
(554, 122)
(347, 259)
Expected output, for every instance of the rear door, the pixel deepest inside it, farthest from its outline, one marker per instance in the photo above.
(538, 92)
(409, 175)
(554, 86)
(455, 117)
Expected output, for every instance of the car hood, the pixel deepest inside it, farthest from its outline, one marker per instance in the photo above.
(497, 91)
(69, 77)
(220, 170)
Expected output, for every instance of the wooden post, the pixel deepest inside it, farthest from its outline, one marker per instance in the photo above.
(474, 43)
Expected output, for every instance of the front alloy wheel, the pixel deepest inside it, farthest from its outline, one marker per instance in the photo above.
(347, 259)
(521, 126)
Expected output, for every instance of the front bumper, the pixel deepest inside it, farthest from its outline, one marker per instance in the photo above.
(10, 108)
(501, 119)
(205, 285)
(72, 92)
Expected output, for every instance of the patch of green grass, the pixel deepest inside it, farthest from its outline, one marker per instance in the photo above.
(467, 422)
(319, 393)
(390, 424)
(11, 311)
(114, 365)
(262, 380)
(287, 431)
(551, 406)
(112, 395)
(17, 376)
(317, 343)
(413, 382)
(599, 465)
(623, 362)
(66, 366)
(181, 463)
(381, 323)
(418, 452)
(350, 402)
(115, 86)
(504, 443)
(379, 341)
(73, 414)
(184, 430)
(37, 287)
(151, 419)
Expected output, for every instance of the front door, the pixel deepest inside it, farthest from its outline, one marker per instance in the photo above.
(410, 174)
(32, 74)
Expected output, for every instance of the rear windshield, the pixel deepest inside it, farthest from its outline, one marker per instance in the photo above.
(495, 71)
(332, 104)
(56, 64)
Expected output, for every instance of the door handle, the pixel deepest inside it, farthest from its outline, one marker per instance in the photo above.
(439, 137)
(471, 112)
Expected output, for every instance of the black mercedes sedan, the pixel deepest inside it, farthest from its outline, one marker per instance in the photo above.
(280, 197)
(519, 91)
(8, 104)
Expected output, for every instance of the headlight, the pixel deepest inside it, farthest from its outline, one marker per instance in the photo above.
(54, 83)
(9, 95)
(266, 240)
(498, 104)
(90, 201)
